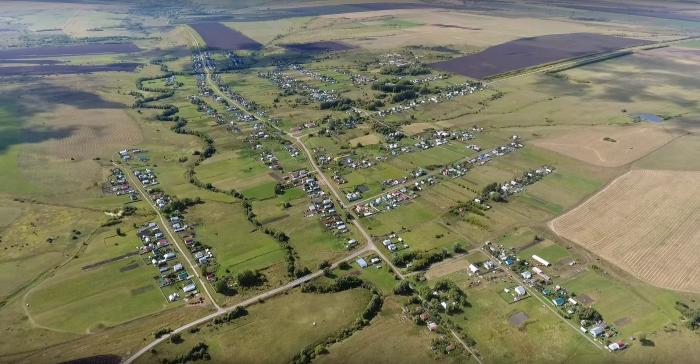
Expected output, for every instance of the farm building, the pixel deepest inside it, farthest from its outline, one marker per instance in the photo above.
(541, 260)
(597, 330)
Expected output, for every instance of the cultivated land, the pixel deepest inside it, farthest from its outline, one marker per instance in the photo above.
(610, 146)
(645, 222)
(295, 182)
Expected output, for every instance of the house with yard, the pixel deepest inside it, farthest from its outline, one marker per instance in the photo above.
(362, 263)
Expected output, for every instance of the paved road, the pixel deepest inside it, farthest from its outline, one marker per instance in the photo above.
(166, 225)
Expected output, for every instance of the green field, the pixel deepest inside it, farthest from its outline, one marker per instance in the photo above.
(275, 330)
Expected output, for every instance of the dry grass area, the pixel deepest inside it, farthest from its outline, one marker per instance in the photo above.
(465, 29)
(416, 128)
(94, 132)
(609, 146)
(369, 139)
(445, 268)
(646, 222)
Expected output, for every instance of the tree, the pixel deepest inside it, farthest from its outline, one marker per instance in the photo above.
(324, 264)
(403, 288)
(222, 287)
(458, 248)
(590, 314)
(248, 278)
(279, 189)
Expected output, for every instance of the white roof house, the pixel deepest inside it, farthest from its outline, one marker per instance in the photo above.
(519, 290)
(473, 268)
(189, 288)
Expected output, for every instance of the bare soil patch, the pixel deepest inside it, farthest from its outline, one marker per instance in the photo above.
(585, 299)
(219, 36)
(528, 52)
(609, 146)
(647, 223)
(447, 267)
(518, 319)
(316, 47)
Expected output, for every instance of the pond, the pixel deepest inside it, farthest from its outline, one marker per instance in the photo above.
(651, 118)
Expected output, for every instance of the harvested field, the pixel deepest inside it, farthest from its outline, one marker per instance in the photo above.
(316, 47)
(660, 11)
(528, 52)
(447, 267)
(609, 146)
(74, 50)
(61, 69)
(219, 36)
(369, 139)
(647, 223)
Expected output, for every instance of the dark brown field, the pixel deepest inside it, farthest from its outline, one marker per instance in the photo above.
(323, 46)
(219, 36)
(73, 50)
(527, 52)
(61, 69)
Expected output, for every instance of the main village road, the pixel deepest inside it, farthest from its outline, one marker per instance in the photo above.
(171, 235)
(370, 242)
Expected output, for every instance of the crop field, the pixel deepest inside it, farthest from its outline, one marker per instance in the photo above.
(219, 36)
(72, 50)
(645, 222)
(60, 69)
(609, 146)
(528, 52)
(322, 46)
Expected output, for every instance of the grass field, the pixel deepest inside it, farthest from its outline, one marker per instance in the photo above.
(274, 331)
(99, 297)
(632, 307)
(390, 338)
(499, 341)
(236, 243)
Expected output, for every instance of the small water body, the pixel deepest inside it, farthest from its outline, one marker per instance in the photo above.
(650, 118)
